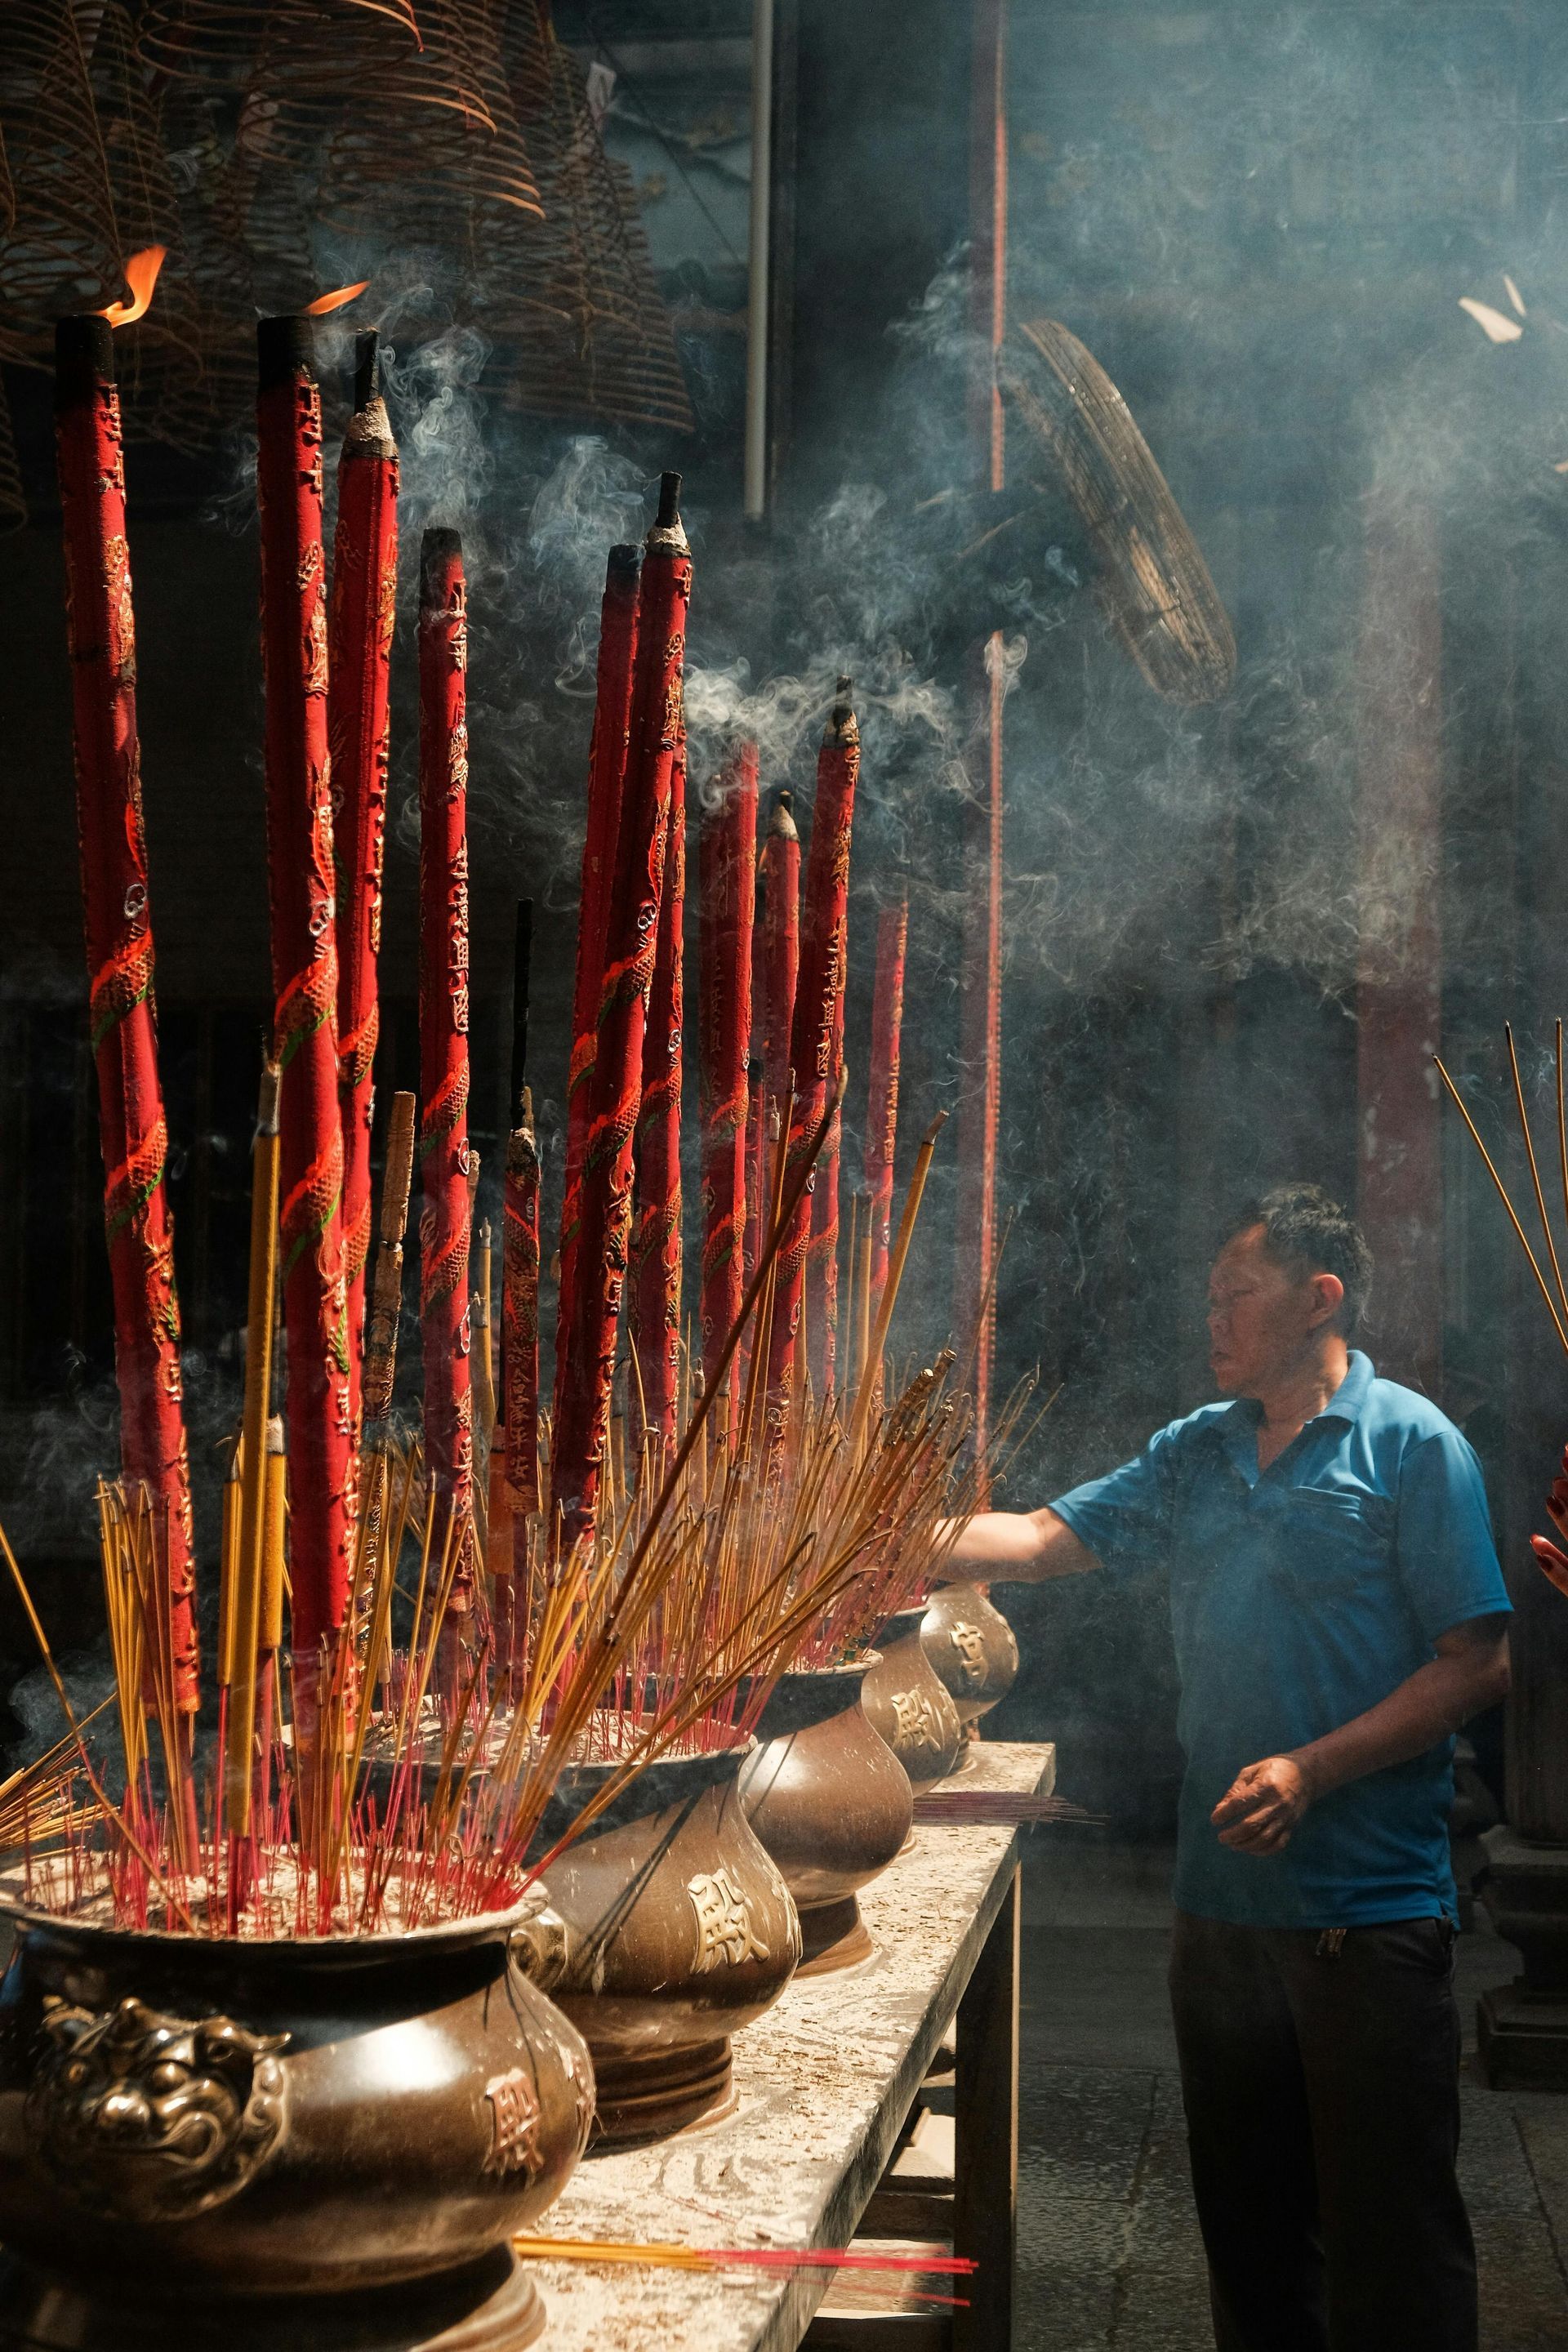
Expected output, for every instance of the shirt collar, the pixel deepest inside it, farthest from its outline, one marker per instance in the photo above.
(1347, 1403)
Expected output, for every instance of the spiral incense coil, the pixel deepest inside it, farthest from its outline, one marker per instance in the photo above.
(1156, 586)
(433, 140)
(202, 40)
(62, 251)
(578, 309)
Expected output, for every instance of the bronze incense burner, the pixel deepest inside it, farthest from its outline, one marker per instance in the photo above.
(830, 1801)
(678, 1930)
(971, 1649)
(254, 2145)
(907, 1704)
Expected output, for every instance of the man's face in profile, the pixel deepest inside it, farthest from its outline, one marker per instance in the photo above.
(1261, 1317)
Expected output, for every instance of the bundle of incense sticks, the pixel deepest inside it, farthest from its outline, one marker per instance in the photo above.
(606, 783)
(654, 1282)
(118, 935)
(815, 1035)
(444, 1157)
(593, 1283)
(653, 2255)
(363, 611)
(1550, 1558)
(728, 874)
(1000, 1808)
(305, 978)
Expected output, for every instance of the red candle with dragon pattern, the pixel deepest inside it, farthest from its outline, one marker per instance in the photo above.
(585, 1347)
(363, 611)
(118, 925)
(444, 1317)
(304, 977)
(729, 888)
(655, 1243)
(606, 780)
(824, 929)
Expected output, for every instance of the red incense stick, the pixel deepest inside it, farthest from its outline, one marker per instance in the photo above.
(980, 1110)
(824, 924)
(607, 782)
(363, 609)
(882, 1104)
(585, 1347)
(655, 1243)
(304, 976)
(119, 933)
(756, 1131)
(444, 1042)
(729, 890)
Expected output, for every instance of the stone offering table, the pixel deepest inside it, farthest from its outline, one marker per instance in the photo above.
(823, 2083)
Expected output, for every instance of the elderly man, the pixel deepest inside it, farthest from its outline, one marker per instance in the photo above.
(1337, 1612)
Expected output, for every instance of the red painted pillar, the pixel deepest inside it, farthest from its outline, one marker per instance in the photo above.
(1399, 986)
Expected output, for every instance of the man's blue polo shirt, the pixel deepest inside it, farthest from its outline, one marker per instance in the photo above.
(1300, 1596)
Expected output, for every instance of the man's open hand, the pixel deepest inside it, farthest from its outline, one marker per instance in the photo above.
(1262, 1806)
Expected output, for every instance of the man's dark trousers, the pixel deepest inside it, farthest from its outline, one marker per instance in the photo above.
(1322, 2094)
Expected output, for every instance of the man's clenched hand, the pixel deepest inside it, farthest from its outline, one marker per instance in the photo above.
(1262, 1806)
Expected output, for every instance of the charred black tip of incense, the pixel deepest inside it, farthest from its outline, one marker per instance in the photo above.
(283, 346)
(784, 799)
(669, 501)
(845, 684)
(437, 550)
(84, 358)
(367, 367)
(754, 1071)
(623, 566)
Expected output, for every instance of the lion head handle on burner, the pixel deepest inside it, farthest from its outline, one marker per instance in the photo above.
(152, 2117)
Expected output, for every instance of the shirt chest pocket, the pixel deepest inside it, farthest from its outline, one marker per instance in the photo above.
(1326, 1540)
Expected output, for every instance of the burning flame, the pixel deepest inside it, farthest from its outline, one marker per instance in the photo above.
(141, 275)
(1493, 324)
(325, 303)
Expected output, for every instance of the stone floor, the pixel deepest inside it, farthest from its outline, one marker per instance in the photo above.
(1107, 2245)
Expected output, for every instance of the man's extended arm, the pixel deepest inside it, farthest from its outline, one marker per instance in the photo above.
(1019, 1547)
(1261, 1807)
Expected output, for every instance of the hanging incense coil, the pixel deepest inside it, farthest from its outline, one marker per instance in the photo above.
(578, 309)
(62, 251)
(1155, 584)
(203, 39)
(429, 147)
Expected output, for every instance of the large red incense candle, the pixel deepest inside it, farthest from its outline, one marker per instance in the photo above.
(119, 931)
(781, 946)
(728, 859)
(756, 1128)
(585, 1347)
(822, 1249)
(363, 609)
(519, 1313)
(824, 926)
(444, 1042)
(304, 977)
(882, 1100)
(655, 1243)
(606, 778)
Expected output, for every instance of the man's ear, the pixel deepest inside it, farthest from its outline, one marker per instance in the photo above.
(1328, 1297)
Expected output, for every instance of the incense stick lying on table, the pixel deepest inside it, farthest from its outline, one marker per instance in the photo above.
(657, 2255)
(992, 1809)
